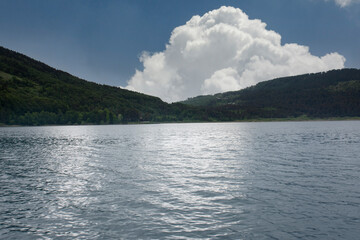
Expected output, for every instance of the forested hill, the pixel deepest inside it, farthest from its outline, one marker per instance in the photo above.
(32, 93)
(331, 94)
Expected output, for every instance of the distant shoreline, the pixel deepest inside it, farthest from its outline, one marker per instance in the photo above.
(299, 119)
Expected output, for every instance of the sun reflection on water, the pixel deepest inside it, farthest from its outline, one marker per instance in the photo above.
(167, 181)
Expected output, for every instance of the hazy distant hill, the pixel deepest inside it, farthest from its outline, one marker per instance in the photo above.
(332, 94)
(32, 93)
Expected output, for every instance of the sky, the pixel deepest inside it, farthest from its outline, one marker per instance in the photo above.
(178, 49)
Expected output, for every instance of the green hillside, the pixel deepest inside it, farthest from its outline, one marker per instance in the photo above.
(322, 95)
(32, 93)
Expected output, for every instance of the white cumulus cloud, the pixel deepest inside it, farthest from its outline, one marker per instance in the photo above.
(223, 50)
(344, 3)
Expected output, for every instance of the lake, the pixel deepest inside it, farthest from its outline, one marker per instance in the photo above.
(275, 180)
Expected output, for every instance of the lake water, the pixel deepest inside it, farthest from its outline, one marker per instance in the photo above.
(278, 180)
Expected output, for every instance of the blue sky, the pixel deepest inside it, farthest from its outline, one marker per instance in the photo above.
(102, 41)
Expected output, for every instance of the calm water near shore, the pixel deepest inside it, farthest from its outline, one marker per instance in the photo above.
(264, 180)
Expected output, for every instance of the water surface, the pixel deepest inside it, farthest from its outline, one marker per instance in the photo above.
(278, 180)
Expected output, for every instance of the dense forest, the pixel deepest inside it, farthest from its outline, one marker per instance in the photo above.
(320, 95)
(33, 93)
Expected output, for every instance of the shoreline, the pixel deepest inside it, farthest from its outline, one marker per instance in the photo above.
(300, 119)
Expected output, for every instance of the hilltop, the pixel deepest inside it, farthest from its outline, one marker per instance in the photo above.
(320, 95)
(33, 93)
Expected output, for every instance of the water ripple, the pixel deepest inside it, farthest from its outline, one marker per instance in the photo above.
(181, 181)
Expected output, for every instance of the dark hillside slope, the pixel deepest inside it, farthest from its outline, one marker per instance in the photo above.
(332, 94)
(32, 93)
